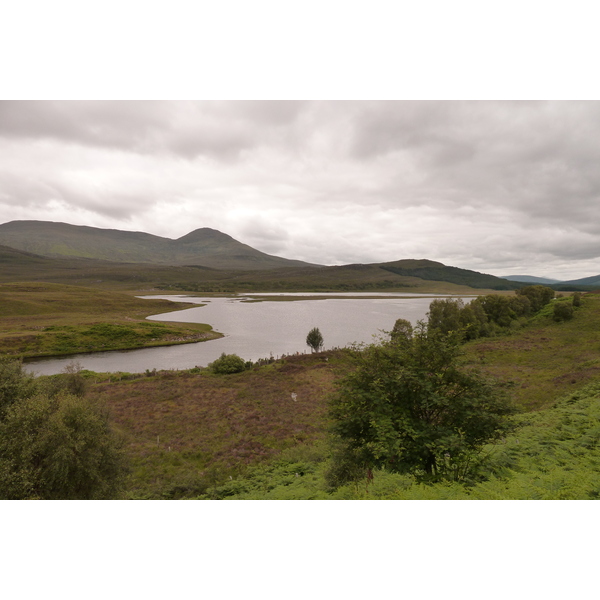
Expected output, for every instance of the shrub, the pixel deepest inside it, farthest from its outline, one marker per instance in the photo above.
(60, 448)
(227, 363)
(54, 444)
(414, 408)
(563, 311)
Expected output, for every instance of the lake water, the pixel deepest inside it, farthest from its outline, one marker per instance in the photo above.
(256, 330)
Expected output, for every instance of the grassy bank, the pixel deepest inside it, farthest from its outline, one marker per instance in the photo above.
(44, 319)
(546, 359)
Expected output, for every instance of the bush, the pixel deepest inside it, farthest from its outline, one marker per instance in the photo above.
(227, 364)
(55, 444)
(414, 408)
(563, 311)
(15, 383)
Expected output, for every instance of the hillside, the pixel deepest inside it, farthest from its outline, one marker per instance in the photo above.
(530, 279)
(204, 247)
(435, 271)
(594, 280)
(404, 275)
(204, 260)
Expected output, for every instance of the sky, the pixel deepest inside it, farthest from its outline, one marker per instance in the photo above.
(501, 187)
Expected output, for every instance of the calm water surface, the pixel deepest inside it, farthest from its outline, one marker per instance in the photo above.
(256, 330)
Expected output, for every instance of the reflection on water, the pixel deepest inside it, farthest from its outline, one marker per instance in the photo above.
(256, 330)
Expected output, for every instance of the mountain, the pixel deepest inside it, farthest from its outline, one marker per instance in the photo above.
(435, 271)
(202, 247)
(530, 279)
(594, 280)
(205, 260)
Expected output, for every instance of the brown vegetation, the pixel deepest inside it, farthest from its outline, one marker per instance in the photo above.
(185, 431)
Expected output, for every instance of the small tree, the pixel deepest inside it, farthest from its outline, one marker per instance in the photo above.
(402, 331)
(314, 339)
(412, 408)
(444, 315)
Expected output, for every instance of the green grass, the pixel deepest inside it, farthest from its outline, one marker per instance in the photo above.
(553, 455)
(43, 319)
(545, 359)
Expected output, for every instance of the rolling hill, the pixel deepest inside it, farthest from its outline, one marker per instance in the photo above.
(593, 281)
(435, 271)
(204, 247)
(531, 279)
(204, 260)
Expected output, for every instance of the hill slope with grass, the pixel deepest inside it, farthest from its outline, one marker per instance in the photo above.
(531, 279)
(435, 271)
(205, 247)
(17, 265)
(205, 260)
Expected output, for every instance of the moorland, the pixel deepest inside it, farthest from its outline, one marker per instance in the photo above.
(265, 432)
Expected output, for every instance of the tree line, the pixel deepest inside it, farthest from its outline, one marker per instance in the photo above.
(493, 314)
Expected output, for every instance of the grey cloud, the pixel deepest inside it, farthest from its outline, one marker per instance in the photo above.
(219, 130)
(539, 158)
(113, 124)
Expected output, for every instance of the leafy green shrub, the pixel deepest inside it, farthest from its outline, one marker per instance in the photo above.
(227, 364)
(562, 311)
(413, 408)
(54, 444)
(59, 448)
(15, 383)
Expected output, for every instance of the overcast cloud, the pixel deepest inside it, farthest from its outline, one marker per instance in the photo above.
(497, 187)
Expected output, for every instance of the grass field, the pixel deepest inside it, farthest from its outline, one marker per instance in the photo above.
(188, 431)
(547, 359)
(45, 319)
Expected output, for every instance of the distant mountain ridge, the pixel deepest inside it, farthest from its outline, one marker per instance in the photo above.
(531, 279)
(564, 285)
(594, 280)
(204, 247)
